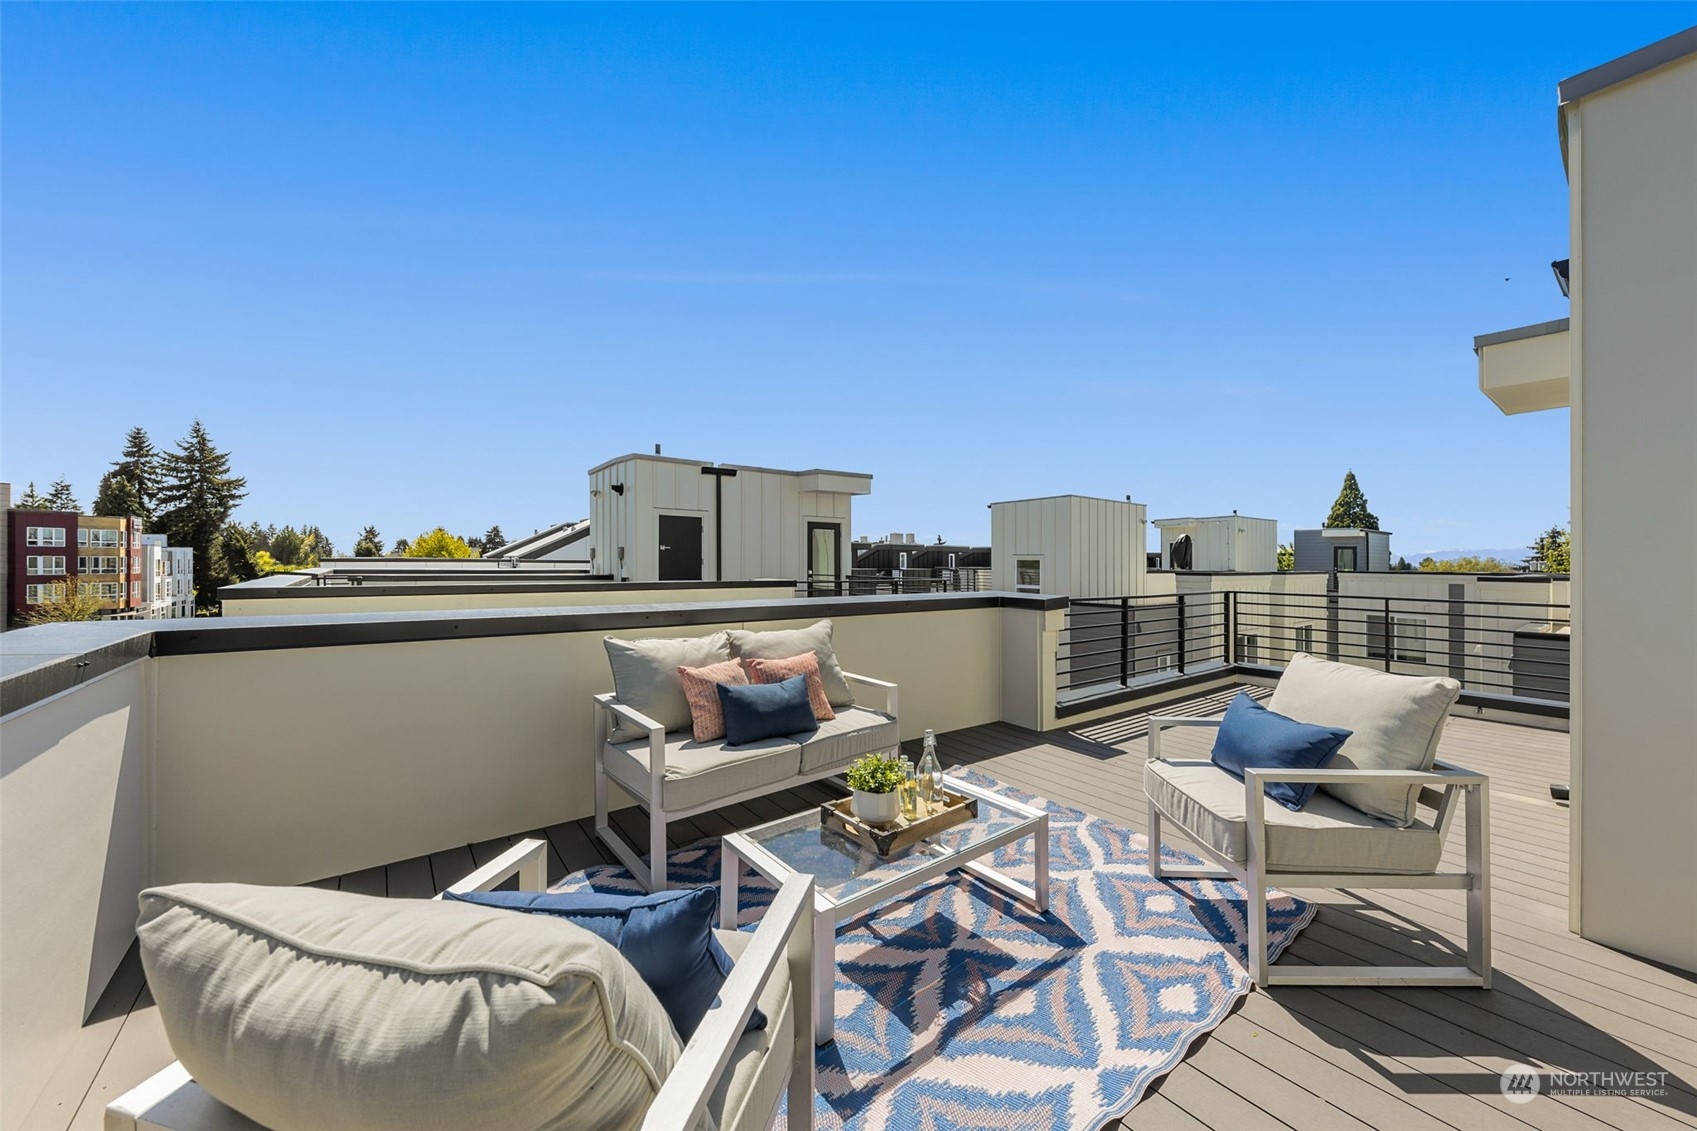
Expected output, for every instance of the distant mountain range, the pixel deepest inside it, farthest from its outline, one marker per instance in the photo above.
(1513, 556)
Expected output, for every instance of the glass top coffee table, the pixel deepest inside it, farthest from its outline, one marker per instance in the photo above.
(850, 878)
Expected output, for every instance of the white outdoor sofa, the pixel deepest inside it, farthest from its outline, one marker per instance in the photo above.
(672, 776)
(719, 1069)
(1326, 844)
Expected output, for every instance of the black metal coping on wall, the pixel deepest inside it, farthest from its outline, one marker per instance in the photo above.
(422, 584)
(39, 662)
(1145, 691)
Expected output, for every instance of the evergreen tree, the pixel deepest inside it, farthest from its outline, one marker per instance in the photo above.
(370, 544)
(287, 546)
(403, 548)
(118, 497)
(1552, 552)
(493, 539)
(139, 463)
(232, 559)
(196, 495)
(60, 498)
(315, 546)
(31, 501)
(1350, 511)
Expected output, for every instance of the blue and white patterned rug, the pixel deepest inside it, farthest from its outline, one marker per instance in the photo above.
(958, 1007)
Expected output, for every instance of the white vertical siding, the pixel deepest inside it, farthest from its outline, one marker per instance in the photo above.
(1088, 547)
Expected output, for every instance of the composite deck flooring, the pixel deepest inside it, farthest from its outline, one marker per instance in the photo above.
(1292, 1057)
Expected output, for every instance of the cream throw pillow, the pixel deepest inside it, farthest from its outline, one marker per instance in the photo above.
(304, 1008)
(1397, 720)
(781, 644)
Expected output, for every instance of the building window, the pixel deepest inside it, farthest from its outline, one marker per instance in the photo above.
(104, 590)
(1343, 559)
(1028, 575)
(1408, 638)
(1304, 638)
(40, 564)
(44, 535)
(36, 594)
(1248, 648)
(135, 590)
(901, 561)
(88, 563)
(96, 536)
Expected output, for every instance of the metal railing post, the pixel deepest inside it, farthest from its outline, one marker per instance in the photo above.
(1388, 634)
(1125, 641)
(1181, 641)
(1229, 612)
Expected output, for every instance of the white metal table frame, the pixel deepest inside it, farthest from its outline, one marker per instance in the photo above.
(740, 848)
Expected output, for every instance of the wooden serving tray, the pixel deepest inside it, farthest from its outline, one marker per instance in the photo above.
(886, 840)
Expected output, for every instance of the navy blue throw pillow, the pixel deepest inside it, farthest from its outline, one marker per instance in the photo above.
(766, 710)
(1252, 736)
(667, 937)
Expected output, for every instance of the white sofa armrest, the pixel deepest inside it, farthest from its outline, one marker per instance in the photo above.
(656, 739)
(785, 934)
(1159, 723)
(889, 689)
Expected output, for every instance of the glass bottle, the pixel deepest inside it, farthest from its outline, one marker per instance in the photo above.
(908, 791)
(930, 775)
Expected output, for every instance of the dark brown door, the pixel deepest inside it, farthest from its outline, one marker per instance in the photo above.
(824, 557)
(680, 547)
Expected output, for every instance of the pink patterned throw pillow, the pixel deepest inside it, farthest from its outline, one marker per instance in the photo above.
(700, 688)
(807, 664)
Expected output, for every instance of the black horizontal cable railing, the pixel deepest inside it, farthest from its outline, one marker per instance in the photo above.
(872, 585)
(1510, 648)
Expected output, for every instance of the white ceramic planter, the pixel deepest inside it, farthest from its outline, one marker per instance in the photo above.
(877, 808)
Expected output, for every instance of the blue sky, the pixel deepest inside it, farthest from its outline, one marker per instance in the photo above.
(420, 265)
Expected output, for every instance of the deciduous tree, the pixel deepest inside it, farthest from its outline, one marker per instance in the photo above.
(1350, 510)
(68, 603)
(197, 494)
(1468, 564)
(1287, 557)
(439, 543)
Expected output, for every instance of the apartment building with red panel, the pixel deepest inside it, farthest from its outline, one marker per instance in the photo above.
(49, 550)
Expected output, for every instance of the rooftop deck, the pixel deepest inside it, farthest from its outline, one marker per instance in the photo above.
(1299, 1058)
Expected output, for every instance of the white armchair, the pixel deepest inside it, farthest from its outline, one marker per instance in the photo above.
(1328, 844)
(773, 970)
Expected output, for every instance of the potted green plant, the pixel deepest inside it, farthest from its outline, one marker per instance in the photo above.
(874, 780)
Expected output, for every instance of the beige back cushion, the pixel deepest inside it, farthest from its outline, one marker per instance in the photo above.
(300, 1007)
(781, 644)
(645, 676)
(1397, 720)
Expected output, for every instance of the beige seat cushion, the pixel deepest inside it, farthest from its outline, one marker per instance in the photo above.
(700, 773)
(1397, 720)
(759, 1069)
(781, 644)
(839, 741)
(645, 676)
(1323, 836)
(307, 1008)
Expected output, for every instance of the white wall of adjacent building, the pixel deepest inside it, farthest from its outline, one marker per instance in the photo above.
(1225, 542)
(1632, 168)
(767, 523)
(167, 579)
(1069, 546)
